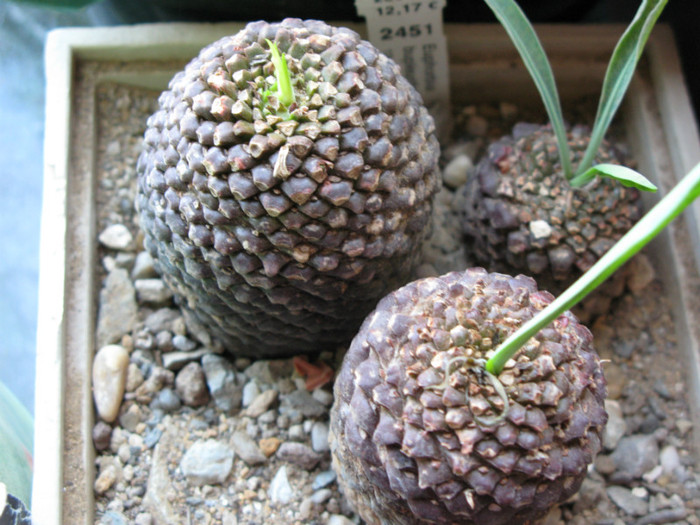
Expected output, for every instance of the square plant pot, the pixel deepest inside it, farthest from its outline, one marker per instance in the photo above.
(484, 67)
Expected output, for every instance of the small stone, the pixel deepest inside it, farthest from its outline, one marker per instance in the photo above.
(321, 496)
(162, 319)
(182, 343)
(113, 517)
(670, 460)
(105, 479)
(634, 456)
(152, 438)
(616, 425)
(540, 230)
(166, 400)
(143, 518)
(261, 403)
(250, 392)
(101, 435)
(641, 273)
(246, 449)
(627, 501)
(552, 517)
(339, 519)
(319, 437)
(118, 310)
(617, 380)
(296, 433)
(280, 490)
(323, 396)
(134, 377)
(191, 386)
(164, 341)
(131, 417)
(604, 464)
(223, 382)
(683, 426)
(143, 267)
(298, 454)
(324, 479)
(152, 291)
(260, 371)
(455, 173)
(304, 403)
(116, 237)
(269, 446)
(109, 379)
(176, 360)
(207, 462)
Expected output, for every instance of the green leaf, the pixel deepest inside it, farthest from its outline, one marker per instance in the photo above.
(535, 59)
(667, 209)
(285, 92)
(624, 175)
(16, 436)
(619, 74)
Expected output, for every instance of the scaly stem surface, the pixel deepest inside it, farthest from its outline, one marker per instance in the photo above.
(687, 190)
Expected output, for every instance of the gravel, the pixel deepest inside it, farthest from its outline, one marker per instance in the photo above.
(197, 437)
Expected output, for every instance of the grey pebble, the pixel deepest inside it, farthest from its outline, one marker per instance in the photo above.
(321, 496)
(182, 343)
(161, 319)
(634, 456)
(164, 340)
(152, 291)
(339, 519)
(250, 392)
(303, 402)
(143, 266)
(116, 237)
(261, 403)
(670, 460)
(152, 437)
(298, 454)
(101, 435)
(191, 385)
(616, 425)
(296, 433)
(222, 382)
(324, 479)
(143, 518)
(260, 371)
(166, 400)
(628, 502)
(112, 517)
(176, 360)
(319, 437)
(663, 516)
(280, 490)
(118, 309)
(207, 462)
(323, 396)
(247, 449)
(131, 417)
(455, 173)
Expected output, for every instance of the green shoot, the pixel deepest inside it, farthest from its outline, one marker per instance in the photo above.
(535, 59)
(624, 175)
(285, 92)
(617, 78)
(679, 198)
(620, 71)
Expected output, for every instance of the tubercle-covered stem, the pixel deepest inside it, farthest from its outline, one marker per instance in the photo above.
(679, 198)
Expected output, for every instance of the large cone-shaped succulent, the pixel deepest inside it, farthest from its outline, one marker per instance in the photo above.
(420, 433)
(281, 227)
(522, 215)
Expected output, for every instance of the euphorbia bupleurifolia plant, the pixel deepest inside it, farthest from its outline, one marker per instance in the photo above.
(549, 201)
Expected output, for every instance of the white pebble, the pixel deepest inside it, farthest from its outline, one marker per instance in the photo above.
(280, 490)
(669, 459)
(455, 173)
(319, 437)
(339, 519)
(116, 237)
(143, 266)
(108, 380)
(152, 291)
(540, 229)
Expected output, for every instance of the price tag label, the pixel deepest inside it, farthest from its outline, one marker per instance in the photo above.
(411, 33)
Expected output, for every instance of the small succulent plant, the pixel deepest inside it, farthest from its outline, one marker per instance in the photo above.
(286, 185)
(473, 397)
(547, 201)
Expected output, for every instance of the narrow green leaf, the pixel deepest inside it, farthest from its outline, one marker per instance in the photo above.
(523, 35)
(624, 175)
(619, 74)
(284, 80)
(16, 437)
(667, 209)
